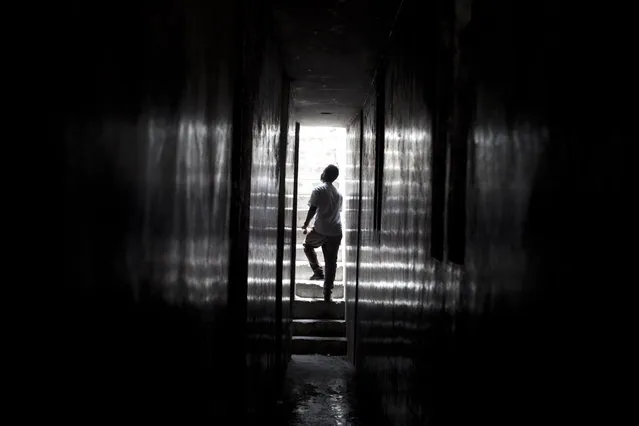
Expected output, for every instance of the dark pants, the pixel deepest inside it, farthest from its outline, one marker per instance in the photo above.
(330, 248)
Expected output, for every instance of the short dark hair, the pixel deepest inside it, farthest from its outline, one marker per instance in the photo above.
(331, 173)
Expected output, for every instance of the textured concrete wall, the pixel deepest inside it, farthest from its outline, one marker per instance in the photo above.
(161, 104)
(530, 185)
(400, 290)
(147, 115)
(261, 291)
(264, 103)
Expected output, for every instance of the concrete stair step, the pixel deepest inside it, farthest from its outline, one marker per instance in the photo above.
(306, 345)
(318, 309)
(303, 272)
(319, 328)
(315, 290)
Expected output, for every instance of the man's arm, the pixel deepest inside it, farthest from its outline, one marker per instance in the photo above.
(312, 208)
(311, 212)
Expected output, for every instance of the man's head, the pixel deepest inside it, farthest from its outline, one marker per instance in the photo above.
(330, 173)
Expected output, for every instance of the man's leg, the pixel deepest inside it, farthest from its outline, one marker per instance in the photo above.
(312, 241)
(330, 249)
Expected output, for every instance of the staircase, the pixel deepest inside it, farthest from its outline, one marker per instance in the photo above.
(318, 327)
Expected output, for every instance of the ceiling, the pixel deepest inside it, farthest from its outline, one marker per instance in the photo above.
(330, 51)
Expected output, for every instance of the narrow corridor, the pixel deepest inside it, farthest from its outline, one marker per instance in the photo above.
(482, 158)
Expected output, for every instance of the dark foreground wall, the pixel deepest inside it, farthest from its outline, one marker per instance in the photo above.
(500, 187)
(264, 124)
(148, 134)
(155, 114)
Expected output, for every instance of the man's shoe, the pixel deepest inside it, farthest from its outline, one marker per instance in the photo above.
(317, 276)
(327, 296)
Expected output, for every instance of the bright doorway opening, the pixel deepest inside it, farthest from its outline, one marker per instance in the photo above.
(319, 147)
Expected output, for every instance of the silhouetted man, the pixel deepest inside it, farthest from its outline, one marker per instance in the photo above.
(326, 201)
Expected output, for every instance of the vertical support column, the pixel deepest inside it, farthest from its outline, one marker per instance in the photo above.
(353, 343)
(341, 161)
(281, 213)
(442, 91)
(294, 215)
(380, 114)
(239, 213)
(462, 116)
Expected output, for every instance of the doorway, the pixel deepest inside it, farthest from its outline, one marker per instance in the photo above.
(319, 327)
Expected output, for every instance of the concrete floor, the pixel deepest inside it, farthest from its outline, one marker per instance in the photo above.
(320, 390)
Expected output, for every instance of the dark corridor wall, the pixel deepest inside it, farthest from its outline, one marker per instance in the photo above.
(155, 113)
(484, 323)
(264, 125)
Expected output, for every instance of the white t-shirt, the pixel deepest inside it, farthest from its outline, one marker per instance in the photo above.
(329, 205)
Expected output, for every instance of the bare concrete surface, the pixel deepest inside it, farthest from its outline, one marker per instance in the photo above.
(320, 390)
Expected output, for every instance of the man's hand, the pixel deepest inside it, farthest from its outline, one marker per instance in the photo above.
(304, 230)
(311, 212)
